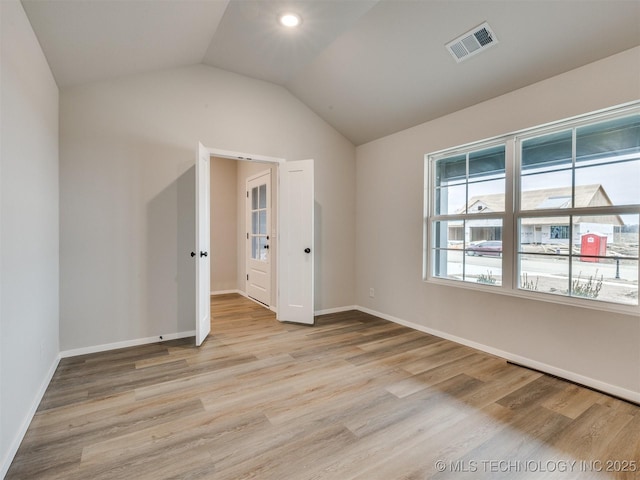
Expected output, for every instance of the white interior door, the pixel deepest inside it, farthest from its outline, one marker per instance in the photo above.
(296, 249)
(201, 254)
(258, 282)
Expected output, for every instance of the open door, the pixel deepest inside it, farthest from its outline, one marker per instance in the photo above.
(295, 265)
(201, 253)
(258, 253)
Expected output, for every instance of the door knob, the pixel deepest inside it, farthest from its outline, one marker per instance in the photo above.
(307, 250)
(203, 254)
(266, 246)
(193, 254)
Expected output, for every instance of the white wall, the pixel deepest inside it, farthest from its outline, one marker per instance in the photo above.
(224, 224)
(589, 343)
(127, 149)
(28, 227)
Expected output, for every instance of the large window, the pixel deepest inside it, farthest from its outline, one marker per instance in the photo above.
(561, 202)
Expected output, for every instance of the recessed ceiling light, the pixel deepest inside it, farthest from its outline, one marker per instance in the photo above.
(290, 19)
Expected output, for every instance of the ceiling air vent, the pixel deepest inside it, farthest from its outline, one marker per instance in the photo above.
(472, 42)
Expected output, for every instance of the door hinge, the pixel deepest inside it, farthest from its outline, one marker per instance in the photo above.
(247, 235)
(247, 193)
(247, 276)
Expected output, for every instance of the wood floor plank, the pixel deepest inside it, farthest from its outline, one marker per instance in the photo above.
(591, 434)
(418, 460)
(354, 397)
(572, 400)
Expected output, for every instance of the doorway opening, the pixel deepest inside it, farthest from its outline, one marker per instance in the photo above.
(292, 281)
(244, 246)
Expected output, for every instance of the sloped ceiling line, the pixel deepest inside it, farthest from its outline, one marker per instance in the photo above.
(368, 67)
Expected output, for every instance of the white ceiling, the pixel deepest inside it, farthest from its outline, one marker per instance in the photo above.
(368, 67)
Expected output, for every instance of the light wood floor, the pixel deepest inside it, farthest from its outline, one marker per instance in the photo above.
(354, 397)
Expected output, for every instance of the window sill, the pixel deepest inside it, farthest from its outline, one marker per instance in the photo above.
(539, 296)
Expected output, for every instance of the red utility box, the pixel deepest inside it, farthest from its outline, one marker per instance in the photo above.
(593, 244)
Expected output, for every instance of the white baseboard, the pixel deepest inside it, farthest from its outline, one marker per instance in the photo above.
(124, 344)
(327, 311)
(614, 390)
(226, 292)
(15, 444)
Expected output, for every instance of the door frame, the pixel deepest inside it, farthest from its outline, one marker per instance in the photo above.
(216, 152)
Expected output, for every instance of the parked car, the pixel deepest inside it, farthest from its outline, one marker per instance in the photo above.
(487, 247)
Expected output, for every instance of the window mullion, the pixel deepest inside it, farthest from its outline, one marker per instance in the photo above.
(573, 207)
(508, 220)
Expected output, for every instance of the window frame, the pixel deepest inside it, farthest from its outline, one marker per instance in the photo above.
(431, 202)
(513, 213)
(566, 234)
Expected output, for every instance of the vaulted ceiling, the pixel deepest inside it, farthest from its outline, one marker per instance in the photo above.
(368, 67)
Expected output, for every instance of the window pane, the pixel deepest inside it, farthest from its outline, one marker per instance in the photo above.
(263, 196)
(468, 250)
(605, 266)
(483, 262)
(255, 226)
(593, 234)
(448, 234)
(546, 190)
(451, 169)
(544, 235)
(448, 242)
(546, 172)
(608, 184)
(448, 264)
(255, 248)
(487, 230)
(254, 198)
(603, 255)
(608, 279)
(552, 151)
(263, 222)
(485, 179)
(486, 197)
(543, 255)
(608, 141)
(450, 200)
(544, 273)
(487, 163)
(606, 236)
